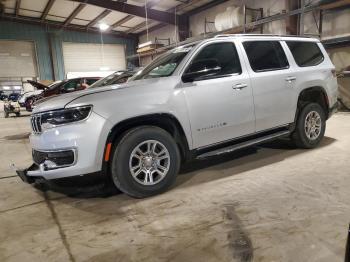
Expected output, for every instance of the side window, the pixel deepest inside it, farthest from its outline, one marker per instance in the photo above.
(222, 55)
(71, 85)
(266, 55)
(305, 53)
(90, 81)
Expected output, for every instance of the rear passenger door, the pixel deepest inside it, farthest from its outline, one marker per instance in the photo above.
(220, 105)
(272, 82)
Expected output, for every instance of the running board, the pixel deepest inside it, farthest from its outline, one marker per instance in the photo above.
(241, 145)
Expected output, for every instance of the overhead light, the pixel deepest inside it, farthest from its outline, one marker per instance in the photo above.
(17, 87)
(103, 26)
(6, 87)
(145, 44)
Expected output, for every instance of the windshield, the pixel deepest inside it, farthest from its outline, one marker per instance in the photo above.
(164, 65)
(109, 80)
(55, 84)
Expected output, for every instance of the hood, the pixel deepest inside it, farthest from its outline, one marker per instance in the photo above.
(37, 85)
(139, 86)
(60, 101)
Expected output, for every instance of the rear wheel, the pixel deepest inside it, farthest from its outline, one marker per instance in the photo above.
(145, 162)
(310, 127)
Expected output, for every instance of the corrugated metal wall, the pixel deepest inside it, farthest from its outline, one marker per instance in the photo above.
(41, 35)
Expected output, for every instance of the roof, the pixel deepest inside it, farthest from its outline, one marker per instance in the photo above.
(123, 16)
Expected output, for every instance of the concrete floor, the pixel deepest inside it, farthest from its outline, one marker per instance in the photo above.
(272, 203)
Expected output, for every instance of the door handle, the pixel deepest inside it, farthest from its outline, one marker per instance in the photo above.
(291, 78)
(239, 86)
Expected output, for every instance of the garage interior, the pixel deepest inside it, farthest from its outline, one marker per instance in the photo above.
(271, 202)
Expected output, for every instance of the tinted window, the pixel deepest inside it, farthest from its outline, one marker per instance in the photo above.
(223, 54)
(305, 53)
(266, 55)
(73, 84)
(90, 81)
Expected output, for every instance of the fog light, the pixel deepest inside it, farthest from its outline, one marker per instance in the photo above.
(48, 165)
(54, 159)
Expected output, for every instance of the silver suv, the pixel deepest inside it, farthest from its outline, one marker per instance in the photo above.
(196, 101)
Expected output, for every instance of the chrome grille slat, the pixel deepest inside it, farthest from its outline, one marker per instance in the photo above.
(35, 121)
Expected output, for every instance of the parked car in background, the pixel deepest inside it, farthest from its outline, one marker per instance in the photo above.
(196, 101)
(14, 97)
(3, 96)
(118, 77)
(62, 87)
(22, 100)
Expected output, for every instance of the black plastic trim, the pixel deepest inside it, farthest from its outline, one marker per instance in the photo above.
(239, 140)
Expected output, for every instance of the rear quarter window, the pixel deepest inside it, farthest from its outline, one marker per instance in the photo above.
(306, 53)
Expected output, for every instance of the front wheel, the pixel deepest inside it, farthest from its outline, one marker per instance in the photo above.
(145, 162)
(310, 126)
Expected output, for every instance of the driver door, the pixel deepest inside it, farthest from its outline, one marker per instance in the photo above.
(220, 104)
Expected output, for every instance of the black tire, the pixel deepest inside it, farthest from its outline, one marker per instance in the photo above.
(18, 114)
(299, 136)
(6, 115)
(120, 170)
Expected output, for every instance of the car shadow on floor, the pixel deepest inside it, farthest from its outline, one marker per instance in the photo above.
(242, 161)
(194, 172)
(20, 136)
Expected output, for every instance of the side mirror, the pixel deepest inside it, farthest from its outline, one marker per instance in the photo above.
(201, 69)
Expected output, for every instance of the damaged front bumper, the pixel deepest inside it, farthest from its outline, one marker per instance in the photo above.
(24, 174)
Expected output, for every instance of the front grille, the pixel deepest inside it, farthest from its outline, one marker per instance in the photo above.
(35, 121)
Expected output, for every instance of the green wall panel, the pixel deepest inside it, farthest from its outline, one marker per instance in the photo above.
(42, 35)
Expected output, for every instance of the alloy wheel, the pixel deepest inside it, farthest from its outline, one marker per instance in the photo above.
(313, 125)
(149, 162)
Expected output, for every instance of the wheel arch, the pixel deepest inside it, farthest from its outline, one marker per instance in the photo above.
(166, 121)
(314, 94)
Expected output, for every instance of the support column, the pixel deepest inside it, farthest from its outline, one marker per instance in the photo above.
(292, 21)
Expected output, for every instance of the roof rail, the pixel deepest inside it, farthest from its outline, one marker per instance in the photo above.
(231, 35)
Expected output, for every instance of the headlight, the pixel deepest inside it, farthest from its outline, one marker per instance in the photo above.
(65, 116)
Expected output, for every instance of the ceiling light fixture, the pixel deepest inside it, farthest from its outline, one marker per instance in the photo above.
(103, 26)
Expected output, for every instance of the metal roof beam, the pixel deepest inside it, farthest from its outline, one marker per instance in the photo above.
(150, 4)
(132, 10)
(53, 24)
(172, 10)
(18, 5)
(74, 14)
(98, 18)
(335, 4)
(47, 9)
